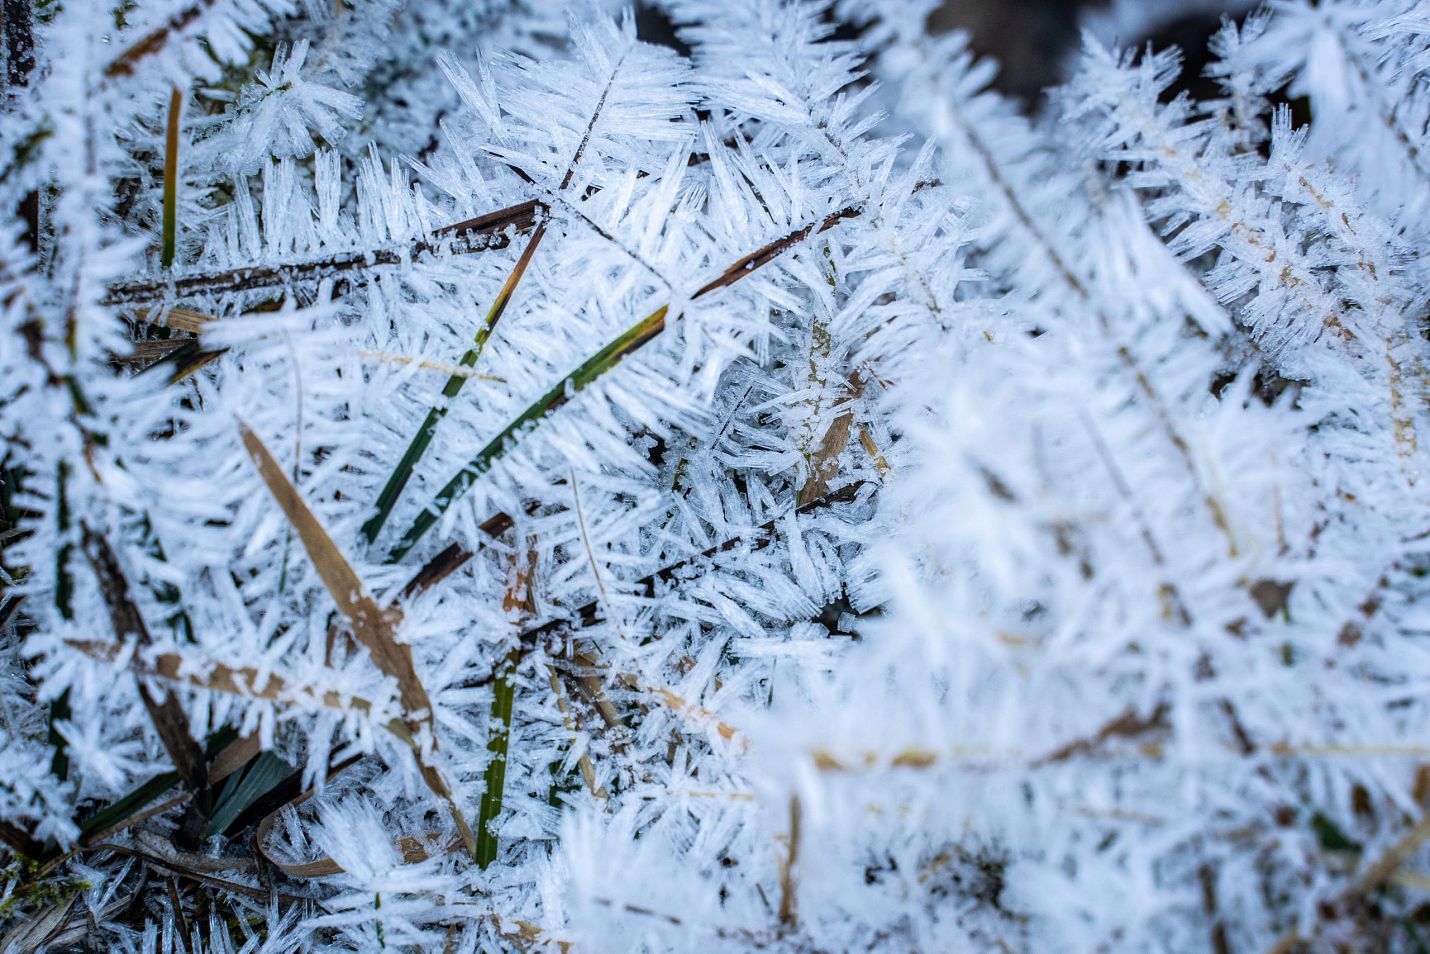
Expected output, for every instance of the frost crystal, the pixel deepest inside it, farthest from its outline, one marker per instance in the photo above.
(476, 478)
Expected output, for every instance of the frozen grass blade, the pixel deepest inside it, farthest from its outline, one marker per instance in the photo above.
(518, 601)
(371, 625)
(393, 488)
(628, 342)
(402, 473)
(503, 699)
(171, 179)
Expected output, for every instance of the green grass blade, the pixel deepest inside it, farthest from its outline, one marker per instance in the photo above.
(420, 441)
(627, 343)
(129, 805)
(503, 698)
(245, 787)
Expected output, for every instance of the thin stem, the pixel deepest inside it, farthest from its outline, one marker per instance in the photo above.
(503, 699)
(171, 178)
(628, 342)
(402, 473)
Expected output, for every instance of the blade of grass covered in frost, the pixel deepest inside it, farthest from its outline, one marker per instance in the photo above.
(592, 368)
(402, 473)
(503, 700)
(628, 342)
(517, 600)
(420, 441)
(371, 625)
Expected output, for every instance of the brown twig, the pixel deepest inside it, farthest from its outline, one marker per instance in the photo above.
(471, 235)
(155, 41)
(1129, 724)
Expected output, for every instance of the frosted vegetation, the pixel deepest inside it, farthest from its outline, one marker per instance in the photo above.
(476, 480)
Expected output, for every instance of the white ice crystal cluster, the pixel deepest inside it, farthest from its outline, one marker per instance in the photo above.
(482, 477)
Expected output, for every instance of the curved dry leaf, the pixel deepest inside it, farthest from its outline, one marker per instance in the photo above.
(372, 626)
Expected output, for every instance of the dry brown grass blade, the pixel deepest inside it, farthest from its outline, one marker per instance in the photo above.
(787, 867)
(185, 320)
(872, 449)
(195, 359)
(1128, 725)
(414, 849)
(372, 626)
(19, 841)
(699, 715)
(155, 41)
(588, 771)
(437, 569)
(170, 721)
(146, 353)
(593, 688)
(242, 681)
(824, 462)
(234, 756)
(185, 870)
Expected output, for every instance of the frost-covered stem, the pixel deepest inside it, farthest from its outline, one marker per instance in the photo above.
(573, 727)
(498, 744)
(1376, 271)
(402, 473)
(19, 42)
(627, 343)
(517, 600)
(632, 340)
(788, 873)
(1215, 198)
(1385, 110)
(156, 40)
(479, 234)
(1077, 288)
